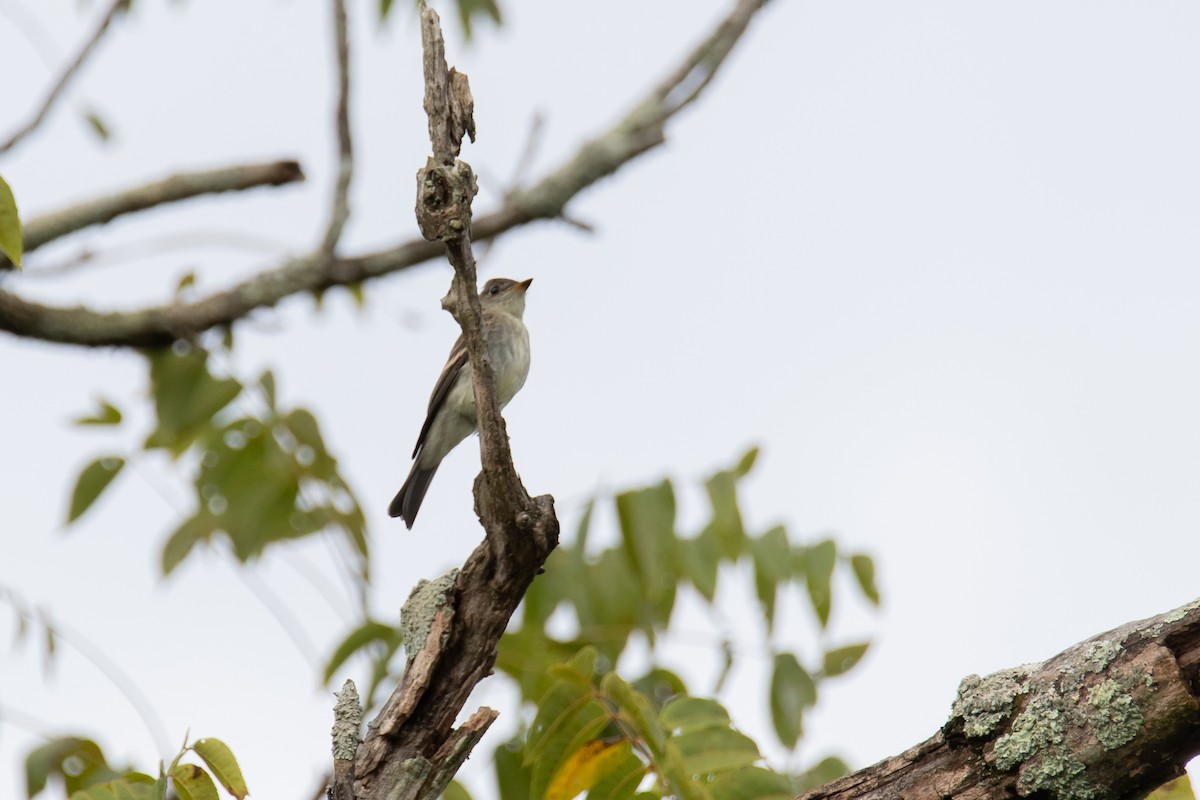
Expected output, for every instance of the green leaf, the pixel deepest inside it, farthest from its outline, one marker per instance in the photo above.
(469, 9)
(11, 238)
(51, 758)
(193, 783)
(647, 518)
(829, 769)
(266, 382)
(186, 397)
(622, 778)
(792, 691)
(180, 543)
(819, 561)
(685, 714)
(97, 125)
(224, 767)
(842, 659)
(512, 775)
(772, 555)
(714, 750)
(385, 7)
(357, 294)
(185, 282)
(456, 791)
(95, 477)
(864, 573)
(726, 522)
(1178, 789)
(699, 559)
(660, 686)
(360, 637)
(131, 787)
(637, 711)
(569, 715)
(746, 463)
(105, 414)
(609, 598)
(751, 783)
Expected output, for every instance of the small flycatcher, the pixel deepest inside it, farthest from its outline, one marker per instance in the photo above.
(451, 417)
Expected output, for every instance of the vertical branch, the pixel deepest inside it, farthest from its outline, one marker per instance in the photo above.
(412, 748)
(340, 206)
(445, 188)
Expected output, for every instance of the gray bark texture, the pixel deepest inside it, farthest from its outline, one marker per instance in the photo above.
(1111, 718)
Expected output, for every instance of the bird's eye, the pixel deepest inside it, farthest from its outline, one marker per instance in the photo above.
(495, 290)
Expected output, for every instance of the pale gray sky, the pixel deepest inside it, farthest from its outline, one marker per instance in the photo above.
(936, 258)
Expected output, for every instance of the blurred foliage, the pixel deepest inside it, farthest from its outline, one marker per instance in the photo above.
(1178, 789)
(632, 588)
(468, 10)
(85, 774)
(260, 476)
(596, 732)
(11, 239)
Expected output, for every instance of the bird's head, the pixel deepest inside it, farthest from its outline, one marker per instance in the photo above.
(505, 295)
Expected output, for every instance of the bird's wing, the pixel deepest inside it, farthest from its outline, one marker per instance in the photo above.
(445, 381)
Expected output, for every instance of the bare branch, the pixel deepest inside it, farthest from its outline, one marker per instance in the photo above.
(1112, 717)
(182, 186)
(412, 749)
(639, 131)
(66, 76)
(340, 206)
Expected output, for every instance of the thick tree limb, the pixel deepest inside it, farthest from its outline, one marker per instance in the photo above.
(65, 78)
(640, 130)
(1111, 718)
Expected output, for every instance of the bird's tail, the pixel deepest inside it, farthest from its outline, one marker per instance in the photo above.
(407, 501)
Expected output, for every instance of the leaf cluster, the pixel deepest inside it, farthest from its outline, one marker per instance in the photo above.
(85, 773)
(633, 587)
(262, 474)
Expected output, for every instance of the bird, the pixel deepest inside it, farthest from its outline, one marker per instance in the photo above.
(451, 416)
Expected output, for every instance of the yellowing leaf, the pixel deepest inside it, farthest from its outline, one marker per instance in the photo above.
(585, 767)
(193, 783)
(224, 766)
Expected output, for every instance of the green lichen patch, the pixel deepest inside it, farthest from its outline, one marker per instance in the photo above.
(1038, 727)
(1113, 714)
(1154, 629)
(416, 617)
(1057, 770)
(1037, 743)
(1100, 654)
(983, 704)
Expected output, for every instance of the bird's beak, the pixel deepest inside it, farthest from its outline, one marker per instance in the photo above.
(524, 285)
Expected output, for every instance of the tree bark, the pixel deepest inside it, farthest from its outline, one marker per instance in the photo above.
(1111, 718)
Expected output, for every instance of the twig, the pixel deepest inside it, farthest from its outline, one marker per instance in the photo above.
(46, 228)
(66, 76)
(340, 205)
(639, 131)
